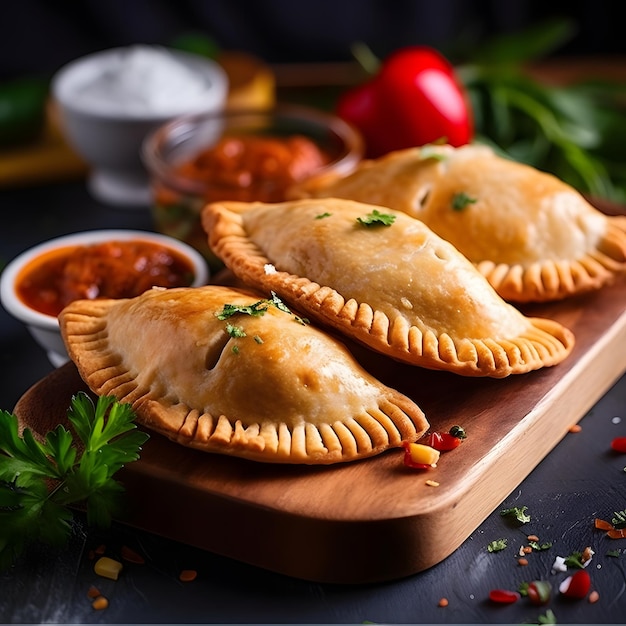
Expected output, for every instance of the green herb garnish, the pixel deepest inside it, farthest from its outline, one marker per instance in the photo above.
(548, 618)
(619, 519)
(458, 431)
(40, 480)
(535, 545)
(497, 545)
(519, 513)
(258, 339)
(461, 200)
(574, 560)
(614, 553)
(321, 216)
(376, 218)
(235, 331)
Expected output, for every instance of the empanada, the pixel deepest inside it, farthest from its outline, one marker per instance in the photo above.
(225, 371)
(533, 236)
(399, 289)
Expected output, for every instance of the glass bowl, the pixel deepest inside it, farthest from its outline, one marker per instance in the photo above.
(239, 155)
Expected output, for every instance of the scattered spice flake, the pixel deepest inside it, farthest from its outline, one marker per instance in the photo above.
(532, 538)
(100, 603)
(594, 596)
(497, 545)
(575, 428)
(522, 561)
(187, 575)
(93, 592)
(443, 602)
(101, 549)
(128, 554)
(432, 483)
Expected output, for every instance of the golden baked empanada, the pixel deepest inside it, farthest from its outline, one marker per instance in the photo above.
(399, 289)
(225, 371)
(533, 236)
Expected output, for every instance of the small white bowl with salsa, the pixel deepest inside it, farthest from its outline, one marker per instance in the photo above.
(117, 263)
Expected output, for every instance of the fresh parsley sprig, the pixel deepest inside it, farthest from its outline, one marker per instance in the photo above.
(376, 218)
(39, 480)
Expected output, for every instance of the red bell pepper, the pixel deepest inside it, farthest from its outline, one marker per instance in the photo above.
(415, 98)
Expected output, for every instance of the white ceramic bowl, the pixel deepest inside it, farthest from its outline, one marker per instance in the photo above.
(109, 101)
(45, 328)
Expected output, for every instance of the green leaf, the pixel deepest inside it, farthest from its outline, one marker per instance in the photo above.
(376, 218)
(497, 545)
(519, 513)
(60, 443)
(527, 45)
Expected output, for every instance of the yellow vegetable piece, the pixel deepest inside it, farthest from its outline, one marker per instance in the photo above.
(108, 568)
(423, 454)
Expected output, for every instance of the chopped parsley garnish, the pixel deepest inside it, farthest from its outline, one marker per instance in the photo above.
(255, 310)
(519, 513)
(548, 618)
(376, 218)
(40, 480)
(461, 201)
(321, 216)
(614, 553)
(258, 339)
(235, 331)
(431, 151)
(497, 545)
(535, 545)
(235, 349)
(619, 521)
(574, 560)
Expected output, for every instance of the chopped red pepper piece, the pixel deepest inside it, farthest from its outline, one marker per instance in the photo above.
(602, 524)
(443, 441)
(577, 585)
(619, 444)
(503, 596)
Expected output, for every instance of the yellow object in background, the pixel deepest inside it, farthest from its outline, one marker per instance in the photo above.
(252, 85)
(47, 160)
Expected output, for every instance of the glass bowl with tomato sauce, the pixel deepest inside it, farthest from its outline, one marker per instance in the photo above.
(243, 155)
(38, 283)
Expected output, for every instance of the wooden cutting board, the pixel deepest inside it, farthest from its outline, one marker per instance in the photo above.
(372, 520)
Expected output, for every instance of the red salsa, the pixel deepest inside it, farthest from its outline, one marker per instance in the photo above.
(111, 269)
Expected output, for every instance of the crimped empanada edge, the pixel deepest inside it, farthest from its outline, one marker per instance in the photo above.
(546, 343)
(396, 418)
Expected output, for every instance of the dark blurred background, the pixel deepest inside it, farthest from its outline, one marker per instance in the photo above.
(39, 36)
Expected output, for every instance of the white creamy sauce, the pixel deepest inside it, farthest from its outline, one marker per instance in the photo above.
(139, 80)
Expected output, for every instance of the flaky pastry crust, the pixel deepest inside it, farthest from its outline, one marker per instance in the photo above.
(399, 289)
(534, 237)
(259, 385)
